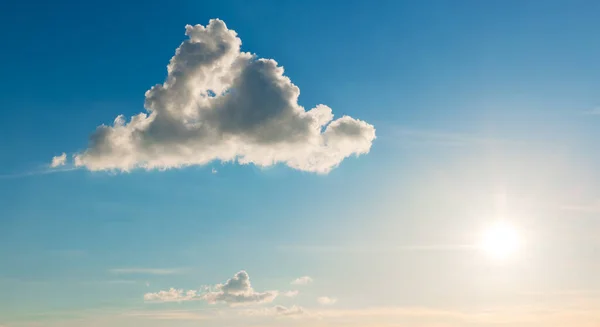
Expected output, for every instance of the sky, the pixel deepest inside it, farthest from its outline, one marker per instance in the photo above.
(299, 163)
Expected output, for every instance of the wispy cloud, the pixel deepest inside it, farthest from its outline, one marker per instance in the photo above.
(505, 316)
(145, 271)
(592, 112)
(375, 249)
(577, 293)
(304, 280)
(583, 208)
(171, 295)
(44, 171)
(290, 293)
(326, 300)
(168, 315)
(394, 312)
(392, 316)
(278, 310)
(441, 138)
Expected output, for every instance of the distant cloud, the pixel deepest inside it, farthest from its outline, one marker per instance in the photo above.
(172, 295)
(325, 300)
(219, 103)
(46, 171)
(214, 171)
(278, 310)
(290, 293)
(396, 312)
(291, 311)
(236, 291)
(58, 161)
(168, 315)
(144, 271)
(304, 280)
(518, 315)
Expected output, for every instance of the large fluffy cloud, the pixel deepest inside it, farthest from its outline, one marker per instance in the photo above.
(219, 103)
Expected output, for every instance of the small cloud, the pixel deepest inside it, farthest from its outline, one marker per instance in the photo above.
(325, 300)
(144, 271)
(147, 284)
(304, 280)
(291, 311)
(58, 161)
(238, 291)
(214, 171)
(172, 295)
(290, 293)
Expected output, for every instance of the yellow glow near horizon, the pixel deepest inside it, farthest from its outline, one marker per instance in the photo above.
(500, 240)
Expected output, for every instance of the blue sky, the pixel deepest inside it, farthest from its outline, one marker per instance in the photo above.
(483, 111)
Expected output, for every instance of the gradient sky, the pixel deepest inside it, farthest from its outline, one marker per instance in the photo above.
(483, 111)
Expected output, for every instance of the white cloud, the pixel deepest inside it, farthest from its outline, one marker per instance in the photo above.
(58, 161)
(172, 295)
(214, 171)
(289, 311)
(290, 293)
(219, 103)
(238, 291)
(304, 280)
(325, 300)
(144, 271)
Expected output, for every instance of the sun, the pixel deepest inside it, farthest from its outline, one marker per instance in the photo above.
(500, 240)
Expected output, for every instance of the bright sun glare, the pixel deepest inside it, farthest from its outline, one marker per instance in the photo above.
(500, 240)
